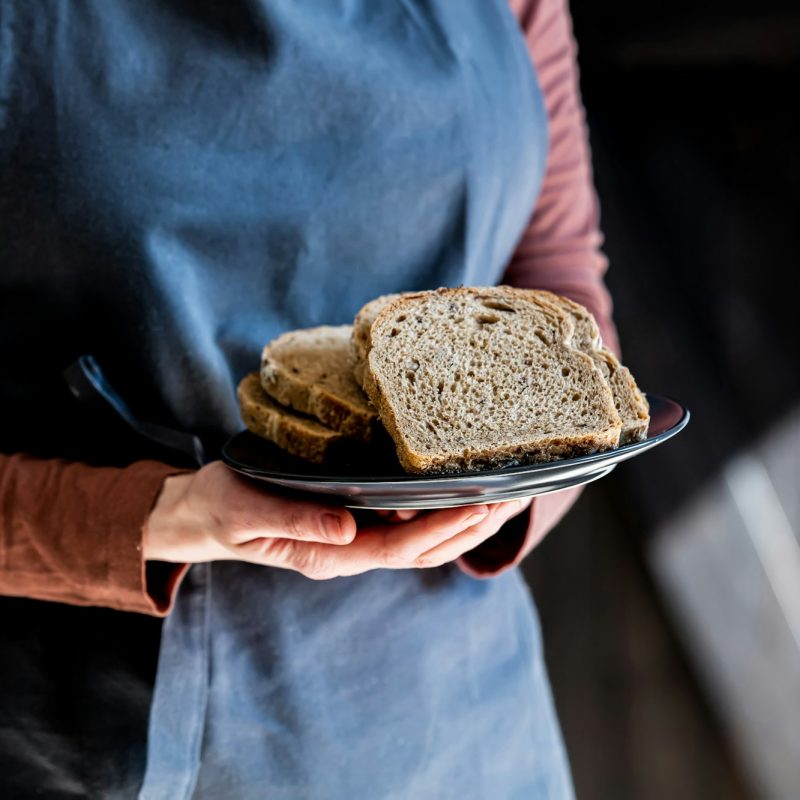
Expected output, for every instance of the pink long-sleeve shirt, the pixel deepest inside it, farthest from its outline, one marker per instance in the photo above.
(72, 533)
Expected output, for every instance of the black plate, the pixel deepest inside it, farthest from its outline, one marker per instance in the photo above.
(376, 480)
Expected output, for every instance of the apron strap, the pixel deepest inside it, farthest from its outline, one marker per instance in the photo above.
(88, 384)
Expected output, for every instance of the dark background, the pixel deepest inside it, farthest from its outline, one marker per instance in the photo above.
(693, 114)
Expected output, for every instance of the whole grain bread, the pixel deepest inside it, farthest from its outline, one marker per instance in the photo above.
(301, 436)
(311, 370)
(475, 378)
(631, 404)
(362, 324)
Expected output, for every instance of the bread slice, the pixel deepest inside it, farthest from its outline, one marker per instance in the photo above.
(362, 324)
(629, 401)
(474, 378)
(311, 371)
(298, 435)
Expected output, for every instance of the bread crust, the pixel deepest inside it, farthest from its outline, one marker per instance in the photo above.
(299, 436)
(361, 341)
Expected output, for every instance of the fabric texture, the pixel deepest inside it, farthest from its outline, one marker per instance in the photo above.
(106, 567)
(151, 145)
(331, 703)
(560, 248)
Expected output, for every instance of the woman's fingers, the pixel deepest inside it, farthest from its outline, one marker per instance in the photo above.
(400, 545)
(378, 547)
(400, 515)
(273, 516)
(462, 542)
(212, 514)
(237, 520)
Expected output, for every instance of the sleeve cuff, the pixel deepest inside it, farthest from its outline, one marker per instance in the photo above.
(161, 582)
(133, 584)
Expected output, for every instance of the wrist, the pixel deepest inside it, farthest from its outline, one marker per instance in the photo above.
(169, 530)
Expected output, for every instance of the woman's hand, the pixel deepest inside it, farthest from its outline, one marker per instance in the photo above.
(213, 515)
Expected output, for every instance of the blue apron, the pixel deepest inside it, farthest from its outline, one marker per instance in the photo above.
(203, 177)
(405, 143)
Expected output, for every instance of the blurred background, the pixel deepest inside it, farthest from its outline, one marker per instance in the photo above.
(670, 595)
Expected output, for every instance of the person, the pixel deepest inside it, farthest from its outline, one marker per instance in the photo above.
(182, 182)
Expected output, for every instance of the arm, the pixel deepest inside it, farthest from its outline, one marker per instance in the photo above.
(560, 249)
(72, 533)
(84, 535)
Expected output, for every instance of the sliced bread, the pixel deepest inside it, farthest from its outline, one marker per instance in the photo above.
(362, 324)
(311, 370)
(474, 378)
(629, 400)
(298, 435)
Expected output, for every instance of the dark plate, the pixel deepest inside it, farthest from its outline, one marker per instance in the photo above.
(376, 480)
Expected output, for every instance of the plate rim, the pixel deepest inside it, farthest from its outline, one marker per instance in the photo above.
(618, 453)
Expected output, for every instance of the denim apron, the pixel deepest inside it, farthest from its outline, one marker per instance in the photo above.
(203, 177)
